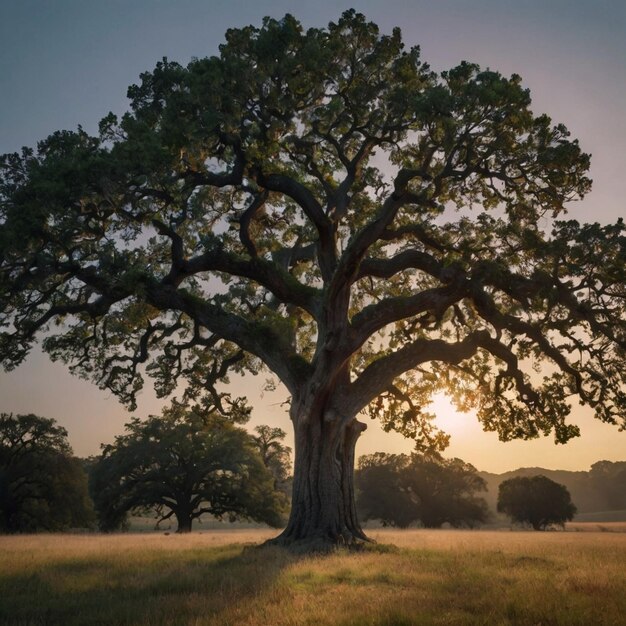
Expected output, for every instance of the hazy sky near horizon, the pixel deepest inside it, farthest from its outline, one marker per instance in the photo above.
(69, 62)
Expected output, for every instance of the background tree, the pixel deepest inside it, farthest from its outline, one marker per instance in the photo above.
(446, 492)
(381, 491)
(608, 479)
(235, 219)
(42, 487)
(535, 500)
(276, 455)
(398, 490)
(184, 463)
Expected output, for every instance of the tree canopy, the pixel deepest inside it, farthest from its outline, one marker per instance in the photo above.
(320, 203)
(608, 480)
(400, 490)
(183, 464)
(275, 454)
(42, 487)
(535, 500)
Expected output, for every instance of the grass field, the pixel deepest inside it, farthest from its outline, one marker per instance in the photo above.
(430, 577)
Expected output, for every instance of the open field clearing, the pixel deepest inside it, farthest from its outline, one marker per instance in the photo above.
(430, 577)
(605, 527)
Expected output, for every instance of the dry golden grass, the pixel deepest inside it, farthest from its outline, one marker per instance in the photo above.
(604, 527)
(431, 577)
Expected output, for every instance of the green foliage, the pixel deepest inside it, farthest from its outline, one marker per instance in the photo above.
(275, 454)
(42, 487)
(535, 500)
(184, 463)
(399, 490)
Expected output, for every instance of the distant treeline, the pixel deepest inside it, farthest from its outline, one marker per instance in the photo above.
(184, 464)
(601, 489)
(428, 490)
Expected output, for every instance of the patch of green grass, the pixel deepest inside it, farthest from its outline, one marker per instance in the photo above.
(433, 577)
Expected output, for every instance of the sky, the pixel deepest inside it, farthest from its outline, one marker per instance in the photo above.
(69, 62)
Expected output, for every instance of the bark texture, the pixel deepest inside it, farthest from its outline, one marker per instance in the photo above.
(323, 511)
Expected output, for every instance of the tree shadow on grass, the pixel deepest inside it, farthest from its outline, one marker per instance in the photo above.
(160, 587)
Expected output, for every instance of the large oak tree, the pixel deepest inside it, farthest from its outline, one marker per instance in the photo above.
(321, 204)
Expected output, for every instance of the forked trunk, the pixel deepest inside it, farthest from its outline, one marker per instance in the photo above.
(323, 511)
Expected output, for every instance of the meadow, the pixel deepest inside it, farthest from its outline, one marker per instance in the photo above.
(408, 577)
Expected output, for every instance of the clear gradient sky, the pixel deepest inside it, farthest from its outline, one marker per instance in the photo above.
(69, 62)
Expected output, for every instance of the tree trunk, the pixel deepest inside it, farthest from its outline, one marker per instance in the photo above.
(323, 511)
(183, 520)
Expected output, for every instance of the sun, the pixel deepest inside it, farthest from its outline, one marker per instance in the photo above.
(448, 418)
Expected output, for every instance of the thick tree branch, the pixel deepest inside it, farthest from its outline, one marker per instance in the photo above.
(266, 273)
(376, 316)
(406, 260)
(256, 338)
(312, 209)
(244, 222)
(195, 177)
(349, 263)
(379, 375)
